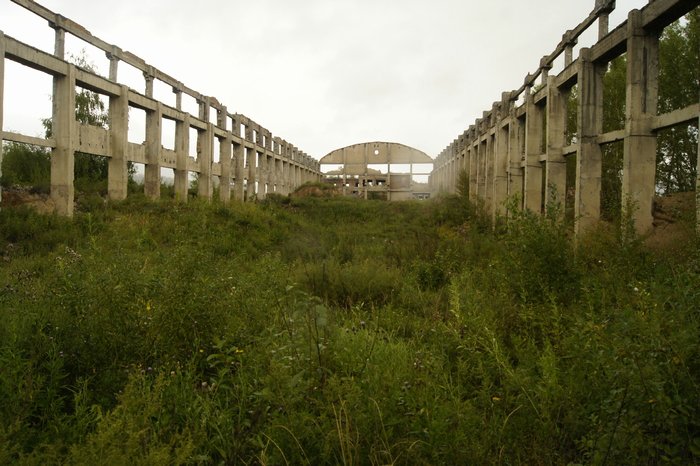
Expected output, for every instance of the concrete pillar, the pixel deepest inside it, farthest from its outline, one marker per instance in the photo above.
(182, 149)
(473, 167)
(2, 96)
(64, 128)
(224, 158)
(148, 77)
(589, 157)
(113, 58)
(59, 49)
(251, 156)
(500, 175)
(263, 169)
(604, 8)
(205, 156)
(205, 152)
(118, 175)
(489, 167)
(534, 128)
(178, 98)
(520, 162)
(239, 158)
(639, 163)
(555, 166)
(154, 122)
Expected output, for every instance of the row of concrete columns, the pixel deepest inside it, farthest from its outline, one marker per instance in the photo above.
(251, 165)
(519, 152)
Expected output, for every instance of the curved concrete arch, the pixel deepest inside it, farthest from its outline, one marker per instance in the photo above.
(358, 174)
(377, 152)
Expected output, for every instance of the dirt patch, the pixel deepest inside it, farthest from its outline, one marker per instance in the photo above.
(25, 196)
(316, 190)
(674, 221)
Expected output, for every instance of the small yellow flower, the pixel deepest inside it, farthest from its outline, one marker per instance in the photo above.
(495, 398)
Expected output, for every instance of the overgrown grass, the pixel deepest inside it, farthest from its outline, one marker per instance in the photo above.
(326, 331)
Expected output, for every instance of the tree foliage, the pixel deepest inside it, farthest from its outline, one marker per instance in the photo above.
(679, 82)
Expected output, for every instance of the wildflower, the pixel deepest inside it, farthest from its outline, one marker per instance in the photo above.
(495, 398)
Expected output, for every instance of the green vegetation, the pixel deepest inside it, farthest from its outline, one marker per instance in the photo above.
(326, 331)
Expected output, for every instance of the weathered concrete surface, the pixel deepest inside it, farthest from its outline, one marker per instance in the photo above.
(356, 178)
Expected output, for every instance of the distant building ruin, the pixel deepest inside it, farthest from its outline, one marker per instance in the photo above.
(380, 170)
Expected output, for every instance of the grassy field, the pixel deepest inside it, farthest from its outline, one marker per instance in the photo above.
(329, 331)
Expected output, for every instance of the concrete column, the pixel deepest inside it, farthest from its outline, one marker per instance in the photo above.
(589, 157)
(518, 161)
(604, 7)
(224, 158)
(473, 168)
(639, 163)
(263, 169)
(483, 167)
(278, 176)
(154, 123)
(118, 176)
(59, 49)
(182, 149)
(515, 178)
(148, 77)
(205, 152)
(2, 96)
(534, 128)
(489, 171)
(555, 167)
(500, 175)
(178, 98)
(239, 156)
(64, 128)
(251, 156)
(205, 156)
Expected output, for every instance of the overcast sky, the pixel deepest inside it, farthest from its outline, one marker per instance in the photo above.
(322, 74)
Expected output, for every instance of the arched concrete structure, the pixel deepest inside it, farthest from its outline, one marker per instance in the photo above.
(356, 175)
